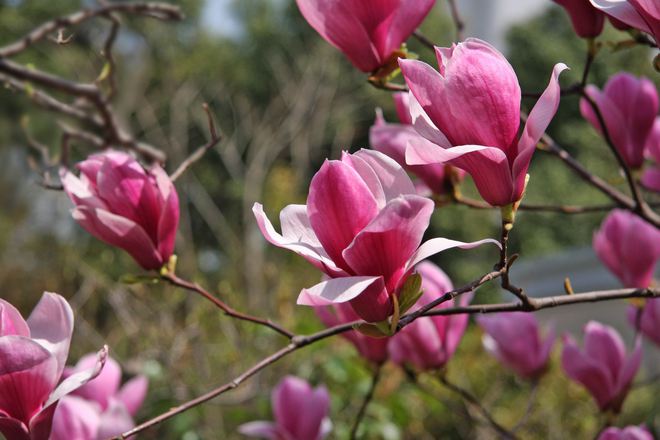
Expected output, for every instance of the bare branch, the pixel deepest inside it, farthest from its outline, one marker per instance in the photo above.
(456, 17)
(365, 402)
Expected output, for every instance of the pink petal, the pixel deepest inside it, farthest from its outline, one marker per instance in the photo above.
(298, 236)
(11, 321)
(266, 430)
(424, 126)
(408, 15)
(102, 388)
(436, 245)
(75, 419)
(402, 104)
(587, 21)
(133, 393)
(169, 215)
(114, 421)
(624, 11)
(13, 429)
(51, 325)
(81, 193)
(604, 345)
(651, 179)
(393, 179)
(337, 290)
(384, 246)
(28, 374)
(418, 344)
(299, 410)
(629, 370)
(538, 120)
(339, 205)
(120, 232)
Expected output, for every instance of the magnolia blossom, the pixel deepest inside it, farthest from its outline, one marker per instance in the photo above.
(301, 413)
(392, 140)
(651, 176)
(33, 353)
(368, 32)
(514, 338)
(99, 409)
(629, 106)
(629, 247)
(648, 319)
(470, 110)
(362, 226)
(121, 203)
(372, 349)
(428, 343)
(587, 21)
(640, 14)
(603, 367)
(627, 433)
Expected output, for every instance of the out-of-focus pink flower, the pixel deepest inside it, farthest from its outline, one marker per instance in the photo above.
(627, 433)
(368, 32)
(629, 106)
(651, 176)
(649, 319)
(119, 202)
(629, 247)
(587, 21)
(301, 413)
(372, 349)
(640, 14)
(515, 339)
(428, 343)
(603, 367)
(32, 358)
(470, 110)
(113, 407)
(392, 140)
(362, 226)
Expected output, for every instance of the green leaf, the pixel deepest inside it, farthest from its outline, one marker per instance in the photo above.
(410, 292)
(373, 330)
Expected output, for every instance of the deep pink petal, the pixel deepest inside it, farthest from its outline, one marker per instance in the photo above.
(299, 410)
(402, 104)
(587, 21)
(75, 419)
(297, 236)
(51, 325)
(418, 344)
(13, 429)
(604, 345)
(385, 245)
(169, 212)
(339, 205)
(651, 179)
(11, 321)
(629, 370)
(133, 393)
(624, 11)
(120, 232)
(407, 17)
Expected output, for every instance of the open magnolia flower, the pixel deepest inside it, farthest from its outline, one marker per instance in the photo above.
(640, 14)
(368, 32)
(470, 111)
(362, 226)
(100, 408)
(33, 353)
(125, 205)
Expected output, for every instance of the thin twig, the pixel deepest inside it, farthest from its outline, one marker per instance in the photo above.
(470, 398)
(229, 311)
(109, 69)
(505, 264)
(365, 402)
(300, 341)
(456, 17)
(426, 42)
(161, 11)
(199, 153)
(530, 404)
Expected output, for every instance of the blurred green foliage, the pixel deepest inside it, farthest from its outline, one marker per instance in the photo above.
(284, 101)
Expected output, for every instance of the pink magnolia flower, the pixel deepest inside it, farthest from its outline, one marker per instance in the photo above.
(119, 202)
(392, 140)
(651, 176)
(362, 226)
(113, 407)
(627, 433)
(603, 367)
(640, 14)
(629, 247)
(470, 110)
(372, 349)
(629, 106)
(428, 343)
(514, 338)
(301, 413)
(649, 319)
(587, 21)
(368, 32)
(32, 358)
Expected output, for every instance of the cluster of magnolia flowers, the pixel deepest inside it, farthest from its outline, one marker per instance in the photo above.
(362, 227)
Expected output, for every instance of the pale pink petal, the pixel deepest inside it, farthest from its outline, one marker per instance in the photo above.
(385, 245)
(114, 421)
(80, 192)
(436, 245)
(394, 180)
(133, 393)
(78, 379)
(105, 385)
(120, 232)
(75, 419)
(337, 290)
(402, 104)
(298, 236)
(264, 430)
(51, 325)
(624, 11)
(339, 205)
(424, 126)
